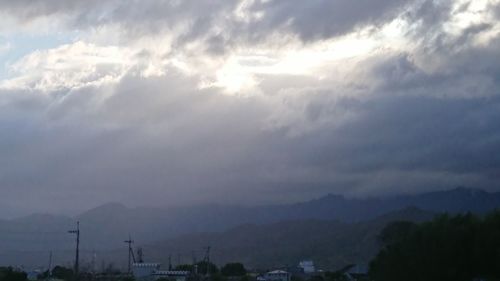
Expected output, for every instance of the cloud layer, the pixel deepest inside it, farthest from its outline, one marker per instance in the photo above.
(189, 102)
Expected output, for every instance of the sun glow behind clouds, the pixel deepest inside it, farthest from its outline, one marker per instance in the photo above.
(239, 70)
(238, 74)
(201, 95)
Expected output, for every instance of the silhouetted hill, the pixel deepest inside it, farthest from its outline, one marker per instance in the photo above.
(105, 227)
(453, 201)
(331, 244)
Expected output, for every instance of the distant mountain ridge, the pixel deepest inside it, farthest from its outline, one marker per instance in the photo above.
(330, 244)
(106, 227)
(457, 200)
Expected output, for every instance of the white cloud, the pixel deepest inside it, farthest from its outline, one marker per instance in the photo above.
(189, 99)
(5, 47)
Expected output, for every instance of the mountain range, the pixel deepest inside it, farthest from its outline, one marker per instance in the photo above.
(28, 240)
(330, 244)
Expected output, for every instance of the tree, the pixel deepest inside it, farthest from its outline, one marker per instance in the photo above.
(233, 269)
(61, 272)
(316, 278)
(9, 274)
(458, 248)
(336, 276)
(217, 277)
(396, 231)
(245, 278)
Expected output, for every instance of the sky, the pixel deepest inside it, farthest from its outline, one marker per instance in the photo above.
(188, 102)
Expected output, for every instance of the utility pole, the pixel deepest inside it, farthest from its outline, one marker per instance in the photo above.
(169, 262)
(92, 264)
(77, 256)
(207, 260)
(50, 264)
(131, 256)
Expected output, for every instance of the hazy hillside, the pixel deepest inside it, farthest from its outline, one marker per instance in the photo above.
(29, 239)
(113, 221)
(331, 244)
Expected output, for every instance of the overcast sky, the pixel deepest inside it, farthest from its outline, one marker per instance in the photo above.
(183, 102)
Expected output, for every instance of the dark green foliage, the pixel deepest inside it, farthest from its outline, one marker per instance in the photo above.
(316, 278)
(233, 269)
(129, 278)
(458, 248)
(217, 277)
(194, 277)
(245, 278)
(61, 272)
(395, 231)
(296, 278)
(9, 274)
(336, 276)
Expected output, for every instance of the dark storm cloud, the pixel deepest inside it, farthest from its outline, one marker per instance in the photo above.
(398, 126)
(214, 20)
(162, 141)
(321, 19)
(435, 128)
(154, 136)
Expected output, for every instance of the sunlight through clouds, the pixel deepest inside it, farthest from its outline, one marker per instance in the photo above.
(188, 99)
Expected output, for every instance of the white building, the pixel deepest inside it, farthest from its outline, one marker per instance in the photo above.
(307, 266)
(33, 275)
(177, 275)
(151, 272)
(278, 275)
(145, 271)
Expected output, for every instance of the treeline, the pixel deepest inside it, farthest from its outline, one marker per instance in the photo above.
(448, 248)
(236, 271)
(9, 274)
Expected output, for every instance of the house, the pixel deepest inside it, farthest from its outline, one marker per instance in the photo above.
(177, 275)
(145, 271)
(307, 266)
(278, 275)
(151, 272)
(33, 274)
